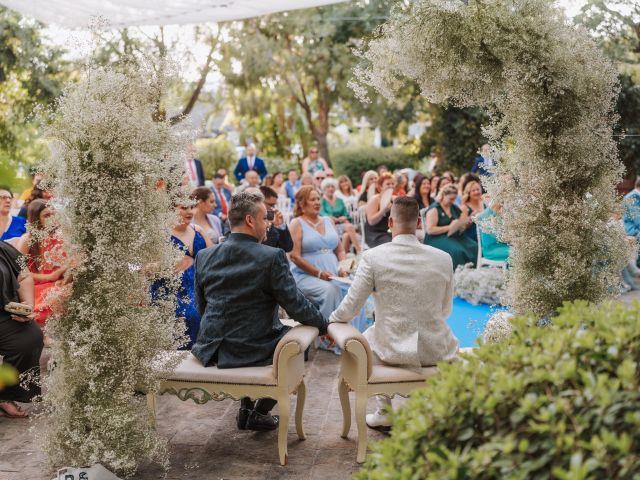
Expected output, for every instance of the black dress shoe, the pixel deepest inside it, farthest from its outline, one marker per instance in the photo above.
(242, 417)
(259, 422)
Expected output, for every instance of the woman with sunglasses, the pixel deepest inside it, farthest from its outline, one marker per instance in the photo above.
(313, 163)
(445, 226)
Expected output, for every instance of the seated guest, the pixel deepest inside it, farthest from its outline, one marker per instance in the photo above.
(367, 187)
(313, 162)
(345, 191)
(189, 239)
(35, 180)
(306, 179)
(222, 197)
(492, 248)
(411, 304)
(422, 192)
(376, 228)
(210, 226)
(45, 256)
(226, 183)
(292, 185)
(472, 200)
(20, 338)
(316, 252)
(37, 193)
(631, 212)
(441, 183)
(318, 178)
(402, 184)
(251, 180)
(278, 184)
(239, 285)
(11, 227)
(333, 207)
(440, 216)
(278, 235)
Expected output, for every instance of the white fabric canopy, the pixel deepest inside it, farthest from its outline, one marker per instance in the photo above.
(122, 13)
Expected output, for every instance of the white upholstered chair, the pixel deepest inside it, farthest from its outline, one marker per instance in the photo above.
(192, 380)
(359, 375)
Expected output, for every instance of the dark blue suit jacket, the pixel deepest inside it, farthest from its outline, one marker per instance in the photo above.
(279, 238)
(478, 166)
(227, 196)
(242, 167)
(239, 285)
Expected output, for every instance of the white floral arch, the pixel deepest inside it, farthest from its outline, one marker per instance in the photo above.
(550, 93)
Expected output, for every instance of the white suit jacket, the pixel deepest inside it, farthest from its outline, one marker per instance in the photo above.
(412, 286)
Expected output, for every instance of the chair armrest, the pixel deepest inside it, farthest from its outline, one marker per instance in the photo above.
(352, 342)
(343, 332)
(302, 335)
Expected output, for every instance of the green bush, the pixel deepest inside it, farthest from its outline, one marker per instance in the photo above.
(353, 162)
(561, 401)
(216, 154)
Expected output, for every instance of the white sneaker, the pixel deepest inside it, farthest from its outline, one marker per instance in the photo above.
(378, 421)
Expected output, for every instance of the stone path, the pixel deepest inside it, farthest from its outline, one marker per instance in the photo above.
(206, 445)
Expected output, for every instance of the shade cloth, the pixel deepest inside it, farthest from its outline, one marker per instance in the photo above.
(123, 13)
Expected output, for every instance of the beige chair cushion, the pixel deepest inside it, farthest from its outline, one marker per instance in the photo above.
(388, 374)
(191, 370)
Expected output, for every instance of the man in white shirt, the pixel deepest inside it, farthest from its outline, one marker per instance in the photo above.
(412, 287)
(251, 180)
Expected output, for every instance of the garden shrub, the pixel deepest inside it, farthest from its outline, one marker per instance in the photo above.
(353, 162)
(560, 401)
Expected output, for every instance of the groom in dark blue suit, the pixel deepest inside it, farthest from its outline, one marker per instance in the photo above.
(239, 285)
(250, 162)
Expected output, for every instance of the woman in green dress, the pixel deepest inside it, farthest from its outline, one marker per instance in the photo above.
(334, 207)
(439, 220)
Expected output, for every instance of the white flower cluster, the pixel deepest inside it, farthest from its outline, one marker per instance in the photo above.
(497, 327)
(481, 285)
(550, 92)
(115, 171)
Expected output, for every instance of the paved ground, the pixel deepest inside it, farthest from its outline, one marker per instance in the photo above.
(206, 445)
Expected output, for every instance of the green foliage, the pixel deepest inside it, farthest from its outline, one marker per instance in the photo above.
(295, 66)
(30, 74)
(628, 107)
(456, 135)
(215, 153)
(353, 162)
(554, 402)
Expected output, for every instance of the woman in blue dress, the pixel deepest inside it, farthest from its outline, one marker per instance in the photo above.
(316, 252)
(190, 240)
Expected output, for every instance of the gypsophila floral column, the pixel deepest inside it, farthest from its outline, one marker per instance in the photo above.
(550, 93)
(115, 173)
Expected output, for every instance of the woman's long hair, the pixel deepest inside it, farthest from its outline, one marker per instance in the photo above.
(33, 218)
(301, 198)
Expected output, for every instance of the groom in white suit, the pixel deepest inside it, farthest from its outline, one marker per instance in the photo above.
(412, 286)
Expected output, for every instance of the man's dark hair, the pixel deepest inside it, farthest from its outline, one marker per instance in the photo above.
(243, 204)
(405, 211)
(218, 176)
(268, 192)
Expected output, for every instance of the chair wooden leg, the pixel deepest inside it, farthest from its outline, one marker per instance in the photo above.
(283, 407)
(343, 390)
(361, 412)
(301, 397)
(151, 405)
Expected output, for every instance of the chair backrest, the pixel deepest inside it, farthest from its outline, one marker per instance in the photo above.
(362, 214)
(479, 240)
